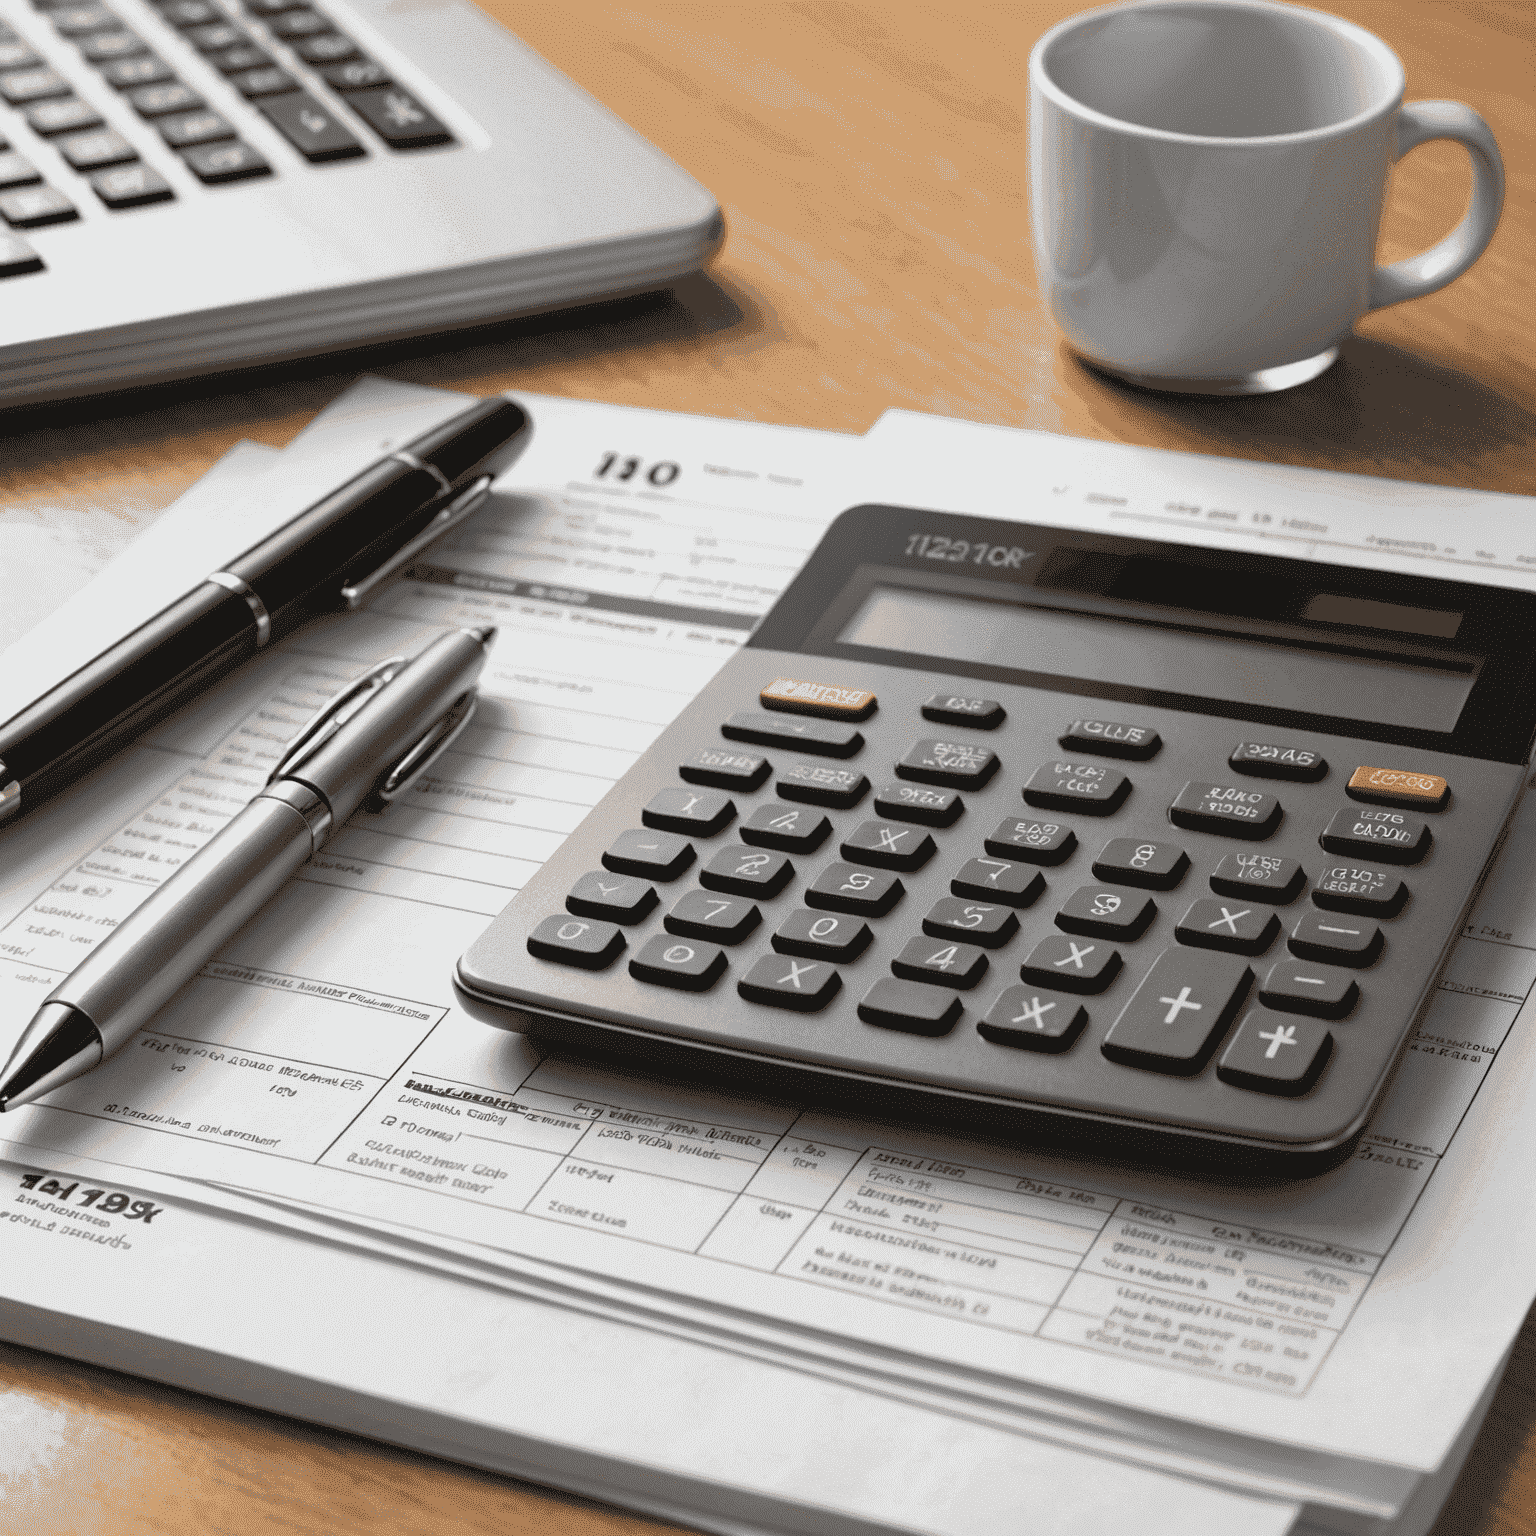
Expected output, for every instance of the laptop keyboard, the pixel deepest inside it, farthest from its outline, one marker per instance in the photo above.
(265, 64)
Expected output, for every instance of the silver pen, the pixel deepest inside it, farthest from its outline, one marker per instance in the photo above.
(365, 748)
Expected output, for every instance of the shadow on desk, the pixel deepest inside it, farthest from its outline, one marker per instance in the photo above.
(1406, 416)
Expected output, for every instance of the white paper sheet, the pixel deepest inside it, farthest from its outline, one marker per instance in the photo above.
(322, 1058)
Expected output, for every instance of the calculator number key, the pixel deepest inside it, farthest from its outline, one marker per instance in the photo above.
(1232, 925)
(1274, 1054)
(1359, 889)
(1298, 986)
(1073, 965)
(618, 898)
(789, 828)
(703, 915)
(653, 855)
(1136, 861)
(888, 847)
(1040, 842)
(911, 1006)
(987, 924)
(922, 803)
(1112, 738)
(743, 871)
(1388, 835)
(1088, 788)
(863, 892)
(1258, 877)
(310, 127)
(953, 709)
(1032, 1019)
(954, 764)
(1177, 1016)
(946, 964)
(1278, 760)
(1331, 936)
(694, 812)
(1015, 885)
(668, 962)
(782, 981)
(820, 936)
(590, 946)
(1226, 809)
(1106, 914)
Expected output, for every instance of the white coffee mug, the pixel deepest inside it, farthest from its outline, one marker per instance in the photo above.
(1206, 184)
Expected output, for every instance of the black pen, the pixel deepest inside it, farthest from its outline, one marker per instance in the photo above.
(330, 555)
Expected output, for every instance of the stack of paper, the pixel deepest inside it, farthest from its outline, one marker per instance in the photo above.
(698, 1304)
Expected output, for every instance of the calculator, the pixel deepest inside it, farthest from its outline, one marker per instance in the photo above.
(1084, 841)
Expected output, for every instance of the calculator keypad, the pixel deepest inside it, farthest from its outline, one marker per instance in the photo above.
(1184, 943)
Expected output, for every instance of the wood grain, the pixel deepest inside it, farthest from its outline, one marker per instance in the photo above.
(870, 158)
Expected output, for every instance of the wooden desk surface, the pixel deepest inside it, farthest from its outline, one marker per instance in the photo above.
(870, 159)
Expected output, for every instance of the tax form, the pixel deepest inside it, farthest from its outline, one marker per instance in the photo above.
(322, 1058)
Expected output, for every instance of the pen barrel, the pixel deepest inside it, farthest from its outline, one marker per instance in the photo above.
(126, 689)
(160, 946)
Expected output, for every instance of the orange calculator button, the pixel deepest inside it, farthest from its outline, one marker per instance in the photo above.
(828, 700)
(1399, 786)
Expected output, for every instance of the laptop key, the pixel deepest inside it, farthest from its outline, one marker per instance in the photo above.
(256, 83)
(400, 119)
(190, 13)
(93, 151)
(356, 75)
(32, 207)
(103, 47)
(327, 48)
(47, 118)
(20, 86)
(17, 171)
(215, 38)
(146, 69)
(131, 186)
(292, 25)
(310, 128)
(194, 128)
(16, 55)
(17, 257)
(216, 164)
(78, 20)
(243, 56)
(162, 100)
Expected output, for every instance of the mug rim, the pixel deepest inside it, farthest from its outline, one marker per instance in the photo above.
(1042, 82)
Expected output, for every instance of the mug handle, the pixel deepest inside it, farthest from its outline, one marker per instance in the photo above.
(1417, 123)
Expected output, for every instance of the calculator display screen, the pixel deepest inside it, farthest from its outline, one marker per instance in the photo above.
(1093, 648)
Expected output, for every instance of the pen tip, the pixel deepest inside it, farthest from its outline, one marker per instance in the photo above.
(485, 633)
(58, 1045)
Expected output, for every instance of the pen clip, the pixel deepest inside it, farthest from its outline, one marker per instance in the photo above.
(330, 717)
(469, 500)
(439, 737)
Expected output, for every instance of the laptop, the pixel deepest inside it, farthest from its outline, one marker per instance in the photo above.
(198, 185)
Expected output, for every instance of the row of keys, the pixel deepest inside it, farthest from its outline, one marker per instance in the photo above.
(1107, 738)
(1172, 1023)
